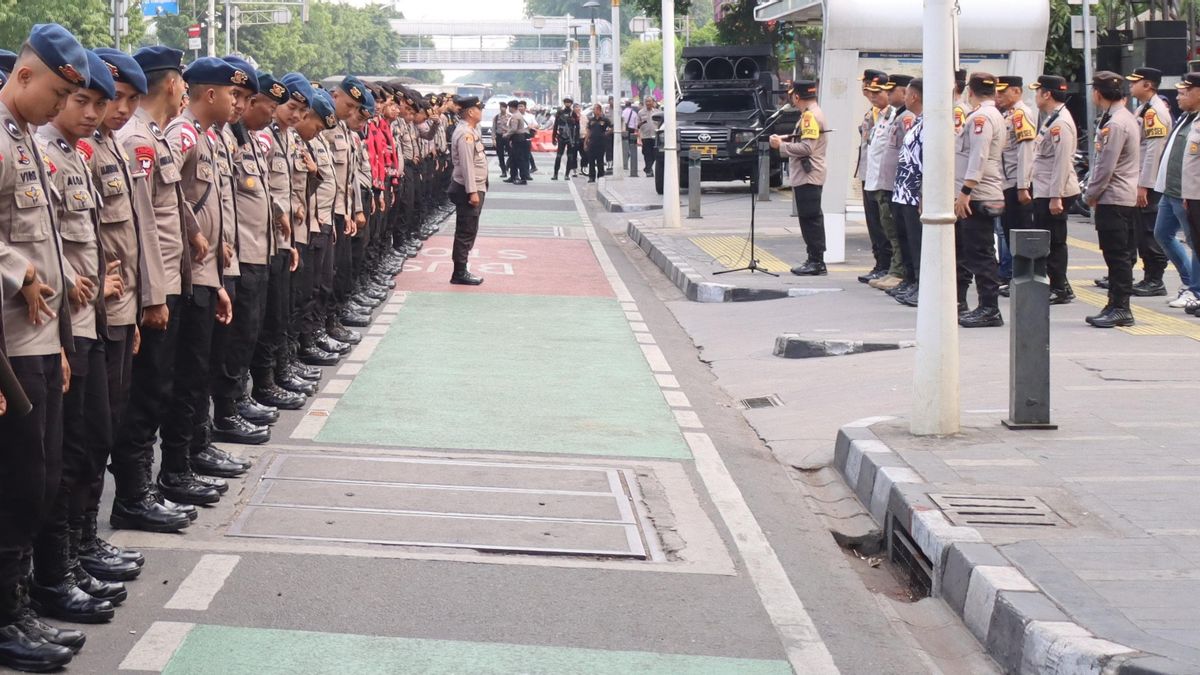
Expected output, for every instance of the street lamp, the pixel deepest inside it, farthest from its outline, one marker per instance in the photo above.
(591, 5)
(619, 135)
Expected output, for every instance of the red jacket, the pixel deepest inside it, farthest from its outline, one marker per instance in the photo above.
(381, 149)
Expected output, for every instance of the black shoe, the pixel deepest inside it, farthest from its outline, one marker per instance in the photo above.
(899, 290)
(236, 429)
(1192, 308)
(101, 590)
(188, 510)
(341, 334)
(1147, 288)
(510, 180)
(1102, 282)
(329, 344)
(313, 355)
(63, 637)
(554, 177)
(466, 279)
(909, 297)
(99, 563)
(354, 320)
(183, 487)
(376, 293)
(649, 173)
(1112, 317)
(22, 649)
(306, 372)
(146, 514)
(871, 276)
(209, 463)
(982, 317)
(1061, 296)
(365, 302)
(257, 413)
(279, 398)
(520, 182)
(1004, 290)
(295, 385)
(963, 308)
(93, 545)
(67, 602)
(214, 482)
(810, 268)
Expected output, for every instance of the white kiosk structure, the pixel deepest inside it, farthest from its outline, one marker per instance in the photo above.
(1003, 38)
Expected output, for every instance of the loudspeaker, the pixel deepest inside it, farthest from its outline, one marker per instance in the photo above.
(693, 70)
(718, 69)
(724, 64)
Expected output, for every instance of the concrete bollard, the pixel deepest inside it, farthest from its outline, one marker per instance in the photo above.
(694, 184)
(764, 171)
(1029, 326)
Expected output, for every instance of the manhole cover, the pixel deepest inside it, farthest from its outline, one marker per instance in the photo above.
(487, 506)
(771, 401)
(997, 510)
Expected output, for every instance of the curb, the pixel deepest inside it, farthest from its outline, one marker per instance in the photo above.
(1021, 627)
(612, 204)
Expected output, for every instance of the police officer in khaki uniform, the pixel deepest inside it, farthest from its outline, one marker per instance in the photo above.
(1055, 185)
(1155, 119)
(1017, 160)
(348, 210)
(468, 187)
(517, 133)
(874, 89)
(805, 150)
(322, 207)
(37, 331)
(1112, 195)
(979, 177)
(882, 159)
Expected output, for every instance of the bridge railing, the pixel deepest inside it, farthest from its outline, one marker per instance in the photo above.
(499, 56)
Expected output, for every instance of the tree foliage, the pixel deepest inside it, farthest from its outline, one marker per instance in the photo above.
(87, 19)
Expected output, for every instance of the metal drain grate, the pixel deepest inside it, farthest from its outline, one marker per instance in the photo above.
(771, 401)
(997, 510)
(904, 553)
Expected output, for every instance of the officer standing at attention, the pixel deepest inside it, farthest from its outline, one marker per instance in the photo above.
(517, 132)
(1021, 127)
(806, 171)
(467, 188)
(874, 89)
(882, 158)
(500, 138)
(37, 331)
(1155, 119)
(562, 135)
(1055, 185)
(980, 179)
(1112, 195)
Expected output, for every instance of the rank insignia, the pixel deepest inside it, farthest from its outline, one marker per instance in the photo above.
(63, 145)
(11, 127)
(155, 129)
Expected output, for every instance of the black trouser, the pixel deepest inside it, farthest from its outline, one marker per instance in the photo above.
(187, 410)
(595, 160)
(520, 161)
(406, 210)
(272, 336)
(234, 344)
(978, 256)
(1116, 232)
(86, 435)
(1154, 260)
(1017, 216)
(323, 257)
(30, 470)
(573, 158)
(501, 152)
(1056, 262)
(466, 227)
(908, 231)
(881, 247)
(358, 243)
(118, 352)
(649, 154)
(303, 291)
(343, 267)
(812, 220)
(559, 151)
(152, 383)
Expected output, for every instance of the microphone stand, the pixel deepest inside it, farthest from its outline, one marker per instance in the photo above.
(753, 143)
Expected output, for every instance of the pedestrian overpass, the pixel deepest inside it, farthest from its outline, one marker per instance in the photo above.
(487, 59)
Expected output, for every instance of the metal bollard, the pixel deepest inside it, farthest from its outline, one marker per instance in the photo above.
(1029, 332)
(764, 171)
(693, 184)
(633, 153)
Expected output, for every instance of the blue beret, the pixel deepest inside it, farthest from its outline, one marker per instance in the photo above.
(322, 104)
(158, 57)
(354, 86)
(299, 88)
(272, 88)
(368, 102)
(241, 64)
(123, 68)
(101, 79)
(211, 70)
(61, 52)
(7, 61)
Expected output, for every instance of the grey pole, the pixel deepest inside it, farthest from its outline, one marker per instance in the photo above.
(633, 157)
(694, 184)
(1029, 341)
(764, 172)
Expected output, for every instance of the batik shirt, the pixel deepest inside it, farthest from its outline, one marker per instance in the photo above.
(911, 167)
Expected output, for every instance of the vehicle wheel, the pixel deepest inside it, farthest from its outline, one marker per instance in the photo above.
(658, 173)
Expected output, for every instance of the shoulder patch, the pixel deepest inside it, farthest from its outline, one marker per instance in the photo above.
(909, 120)
(145, 157)
(960, 118)
(810, 128)
(13, 130)
(63, 145)
(50, 167)
(156, 130)
(85, 149)
(980, 120)
(1022, 129)
(187, 138)
(1153, 126)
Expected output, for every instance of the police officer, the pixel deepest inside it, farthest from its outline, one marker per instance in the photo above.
(874, 89)
(322, 206)
(1017, 160)
(7, 59)
(806, 171)
(500, 138)
(349, 211)
(1112, 195)
(980, 180)
(37, 332)
(562, 134)
(1155, 119)
(882, 158)
(467, 189)
(1055, 185)
(648, 134)
(599, 131)
(517, 132)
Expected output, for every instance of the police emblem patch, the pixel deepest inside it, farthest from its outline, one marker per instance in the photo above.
(11, 127)
(155, 129)
(85, 149)
(63, 145)
(278, 90)
(979, 122)
(145, 157)
(356, 93)
(70, 74)
(239, 77)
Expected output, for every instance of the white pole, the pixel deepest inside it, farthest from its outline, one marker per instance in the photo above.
(670, 171)
(211, 38)
(619, 133)
(1087, 72)
(592, 47)
(228, 27)
(935, 378)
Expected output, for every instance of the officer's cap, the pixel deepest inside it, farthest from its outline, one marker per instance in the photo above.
(211, 70)
(272, 88)
(1050, 83)
(875, 80)
(805, 89)
(983, 84)
(158, 57)
(354, 87)
(1108, 82)
(61, 52)
(101, 79)
(900, 80)
(465, 102)
(1188, 81)
(1005, 81)
(298, 87)
(960, 78)
(123, 68)
(322, 104)
(7, 61)
(243, 65)
(1153, 74)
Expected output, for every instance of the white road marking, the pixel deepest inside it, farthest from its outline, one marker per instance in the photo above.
(365, 349)
(654, 357)
(156, 647)
(350, 369)
(629, 306)
(676, 398)
(644, 338)
(687, 419)
(377, 329)
(639, 327)
(634, 316)
(667, 381)
(385, 319)
(202, 585)
(336, 386)
(314, 420)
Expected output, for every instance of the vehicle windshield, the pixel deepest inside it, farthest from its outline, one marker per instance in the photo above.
(714, 102)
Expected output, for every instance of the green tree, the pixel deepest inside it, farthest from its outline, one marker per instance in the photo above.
(87, 19)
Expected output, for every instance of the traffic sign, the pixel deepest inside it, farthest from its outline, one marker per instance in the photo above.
(160, 8)
(1077, 32)
(194, 30)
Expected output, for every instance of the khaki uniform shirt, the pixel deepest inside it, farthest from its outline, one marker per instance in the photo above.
(325, 196)
(1114, 176)
(865, 128)
(1054, 157)
(346, 200)
(29, 229)
(1155, 119)
(74, 199)
(114, 175)
(279, 146)
(1021, 124)
(407, 141)
(252, 198)
(301, 193)
(810, 144)
(165, 241)
(470, 162)
(202, 192)
(979, 151)
(226, 155)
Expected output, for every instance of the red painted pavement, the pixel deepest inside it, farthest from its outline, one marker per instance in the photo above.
(516, 266)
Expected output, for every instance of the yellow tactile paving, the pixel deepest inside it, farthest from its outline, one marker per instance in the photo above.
(1085, 245)
(1149, 321)
(734, 252)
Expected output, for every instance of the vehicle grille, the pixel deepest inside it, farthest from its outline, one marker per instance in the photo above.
(716, 136)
